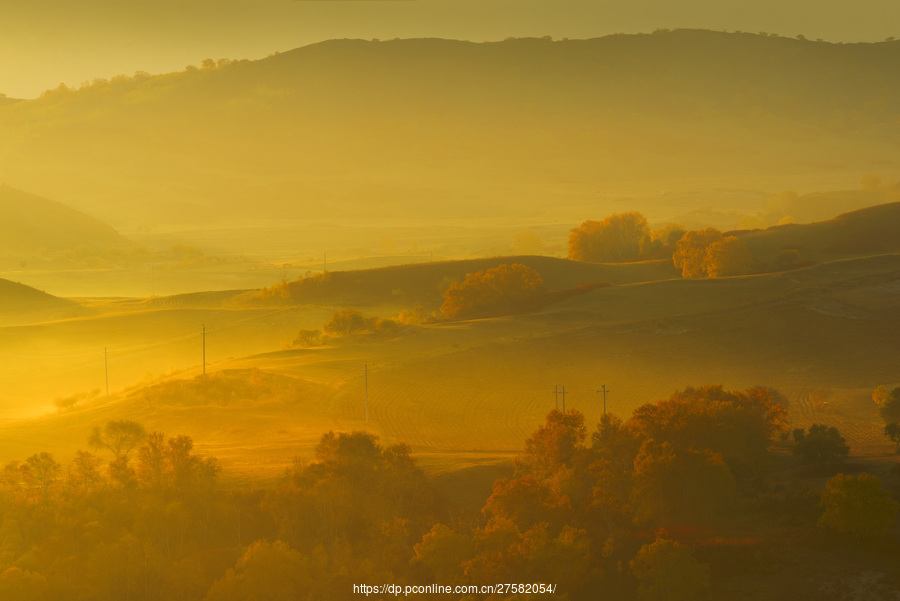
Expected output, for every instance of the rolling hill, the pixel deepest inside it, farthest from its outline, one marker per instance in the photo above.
(872, 230)
(468, 392)
(22, 304)
(30, 225)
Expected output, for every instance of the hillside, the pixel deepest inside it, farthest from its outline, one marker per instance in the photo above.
(461, 130)
(872, 230)
(23, 304)
(30, 225)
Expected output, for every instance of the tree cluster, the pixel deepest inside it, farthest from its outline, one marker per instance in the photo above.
(572, 511)
(707, 253)
(617, 238)
(493, 291)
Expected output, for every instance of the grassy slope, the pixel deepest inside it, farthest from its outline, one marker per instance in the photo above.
(23, 304)
(870, 230)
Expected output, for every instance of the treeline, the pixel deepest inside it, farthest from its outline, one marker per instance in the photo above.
(698, 254)
(667, 504)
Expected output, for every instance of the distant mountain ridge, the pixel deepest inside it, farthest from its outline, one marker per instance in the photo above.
(430, 127)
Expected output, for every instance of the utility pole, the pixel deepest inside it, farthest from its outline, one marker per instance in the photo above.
(367, 392)
(564, 398)
(106, 366)
(204, 349)
(604, 391)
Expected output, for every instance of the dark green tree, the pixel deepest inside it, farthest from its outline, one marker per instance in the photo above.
(820, 445)
(890, 409)
(892, 431)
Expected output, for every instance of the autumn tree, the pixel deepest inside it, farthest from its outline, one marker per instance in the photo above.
(84, 473)
(45, 470)
(739, 425)
(352, 491)
(667, 571)
(821, 445)
(492, 291)
(266, 571)
(614, 442)
(616, 238)
(442, 552)
(349, 321)
(857, 505)
(168, 466)
(686, 485)
(555, 444)
(727, 257)
(691, 251)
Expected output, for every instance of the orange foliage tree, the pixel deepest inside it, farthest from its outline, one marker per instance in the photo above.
(690, 251)
(726, 257)
(491, 291)
(739, 425)
(705, 253)
(616, 238)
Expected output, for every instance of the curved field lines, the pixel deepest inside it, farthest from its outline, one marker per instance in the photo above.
(852, 412)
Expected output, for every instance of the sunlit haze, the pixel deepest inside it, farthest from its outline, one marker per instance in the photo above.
(448, 299)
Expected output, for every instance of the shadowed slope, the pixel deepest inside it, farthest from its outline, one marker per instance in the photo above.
(30, 224)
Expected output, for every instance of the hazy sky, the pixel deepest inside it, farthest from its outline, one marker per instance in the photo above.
(46, 42)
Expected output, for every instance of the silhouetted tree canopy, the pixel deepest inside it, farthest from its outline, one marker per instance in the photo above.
(892, 431)
(119, 437)
(821, 445)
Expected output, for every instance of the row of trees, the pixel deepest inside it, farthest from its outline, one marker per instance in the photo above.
(626, 236)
